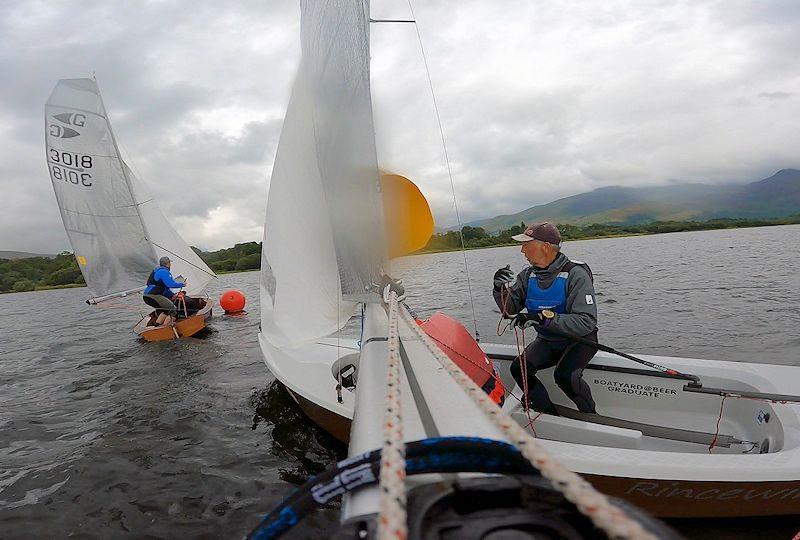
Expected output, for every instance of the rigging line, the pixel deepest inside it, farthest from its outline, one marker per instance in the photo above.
(213, 275)
(338, 352)
(137, 204)
(449, 171)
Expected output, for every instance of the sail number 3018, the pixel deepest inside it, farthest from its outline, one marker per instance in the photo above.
(70, 167)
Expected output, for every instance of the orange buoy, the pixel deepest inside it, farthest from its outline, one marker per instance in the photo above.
(232, 301)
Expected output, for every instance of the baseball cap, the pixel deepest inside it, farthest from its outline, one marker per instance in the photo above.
(545, 232)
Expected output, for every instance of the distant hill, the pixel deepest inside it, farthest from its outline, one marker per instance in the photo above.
(774, 197)
(14, 255)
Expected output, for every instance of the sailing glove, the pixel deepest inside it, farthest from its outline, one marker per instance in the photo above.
(540, 318)
(503, 277)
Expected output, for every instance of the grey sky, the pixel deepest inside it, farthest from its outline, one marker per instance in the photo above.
(538, 99)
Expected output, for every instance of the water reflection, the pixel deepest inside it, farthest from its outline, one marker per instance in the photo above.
(307, 447)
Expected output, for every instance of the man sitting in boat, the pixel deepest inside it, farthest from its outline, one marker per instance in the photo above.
(161, 281)
(558, 295)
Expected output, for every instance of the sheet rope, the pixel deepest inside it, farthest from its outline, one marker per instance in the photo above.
(392, 524)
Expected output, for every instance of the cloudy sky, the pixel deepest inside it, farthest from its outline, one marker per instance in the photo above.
(538, 99)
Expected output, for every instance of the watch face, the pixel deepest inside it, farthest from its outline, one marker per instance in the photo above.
(547, 313)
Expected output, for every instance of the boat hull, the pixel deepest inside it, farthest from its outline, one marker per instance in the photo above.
(336, 425)
(673, 484)
(703, 499)
(661, 498)
(182, 328)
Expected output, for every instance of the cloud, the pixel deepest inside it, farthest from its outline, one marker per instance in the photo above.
(537, 101)
(775, 95)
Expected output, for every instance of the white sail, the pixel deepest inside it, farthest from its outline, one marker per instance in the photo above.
(115, 227)
(323, 235)
(166, 241)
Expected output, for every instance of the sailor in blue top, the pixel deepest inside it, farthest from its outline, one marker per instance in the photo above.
(160, 280)
(558, 294)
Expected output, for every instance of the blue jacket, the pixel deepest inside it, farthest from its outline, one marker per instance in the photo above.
(160, 282)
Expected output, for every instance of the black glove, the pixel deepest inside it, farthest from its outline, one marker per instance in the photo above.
(503, 276)
(540, 318)
(522, 320)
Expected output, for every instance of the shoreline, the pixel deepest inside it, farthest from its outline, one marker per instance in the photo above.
(423, 251)
(597, 237)
(48, 288)
(468, 248)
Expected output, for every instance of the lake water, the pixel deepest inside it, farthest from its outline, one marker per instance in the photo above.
(103, 436)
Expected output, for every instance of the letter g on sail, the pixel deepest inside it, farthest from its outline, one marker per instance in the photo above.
(72, 119)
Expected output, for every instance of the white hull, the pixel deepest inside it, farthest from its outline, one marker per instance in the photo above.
(671, 475)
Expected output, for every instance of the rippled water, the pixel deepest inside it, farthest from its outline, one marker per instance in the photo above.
(103, 436)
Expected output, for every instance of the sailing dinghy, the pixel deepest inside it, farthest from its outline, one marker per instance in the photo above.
(724, 442)
(658, 441)
(332, 223)
(117, 231)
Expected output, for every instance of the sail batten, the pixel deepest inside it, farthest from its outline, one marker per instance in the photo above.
(111, 219)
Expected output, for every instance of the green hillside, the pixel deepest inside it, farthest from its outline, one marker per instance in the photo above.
(775, 197)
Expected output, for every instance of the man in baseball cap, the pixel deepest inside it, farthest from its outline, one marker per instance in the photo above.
(558, 299)
(545, 232)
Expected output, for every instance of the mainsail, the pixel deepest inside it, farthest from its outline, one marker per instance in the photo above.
(324, 232)
(116, 228)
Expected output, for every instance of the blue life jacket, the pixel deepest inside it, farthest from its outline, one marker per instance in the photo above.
(157, 285)
(553, 297)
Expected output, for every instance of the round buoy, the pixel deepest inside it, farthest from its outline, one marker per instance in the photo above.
(232, 301)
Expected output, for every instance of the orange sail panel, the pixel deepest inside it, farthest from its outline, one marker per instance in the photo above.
(409, 223)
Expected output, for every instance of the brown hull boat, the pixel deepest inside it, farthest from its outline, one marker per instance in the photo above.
(183, 327)
(651, 450)
(661, 498)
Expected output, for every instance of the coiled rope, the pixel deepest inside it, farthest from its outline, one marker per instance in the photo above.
(591, 503)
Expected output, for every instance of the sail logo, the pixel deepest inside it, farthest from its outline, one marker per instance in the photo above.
(70, 119)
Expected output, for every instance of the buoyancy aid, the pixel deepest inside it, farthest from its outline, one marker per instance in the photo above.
(457, 343)
(553, 297)
(155, 286)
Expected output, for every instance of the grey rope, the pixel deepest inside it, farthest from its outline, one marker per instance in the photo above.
(449, 171)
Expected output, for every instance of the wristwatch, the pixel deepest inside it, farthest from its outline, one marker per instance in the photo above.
(547, 316)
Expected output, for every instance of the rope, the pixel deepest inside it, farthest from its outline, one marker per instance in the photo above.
(719, 419)
(591, 503)
(491, 374)
(523, 367)
(212, 274)
(433, 455)
(449, 171)
(505, 294)
(392, 518)
(713, 443)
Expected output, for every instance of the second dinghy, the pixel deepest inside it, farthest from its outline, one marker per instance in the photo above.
(114, 224)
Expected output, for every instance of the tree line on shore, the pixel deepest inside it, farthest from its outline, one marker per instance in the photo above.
(477, 237)
(34, 273)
